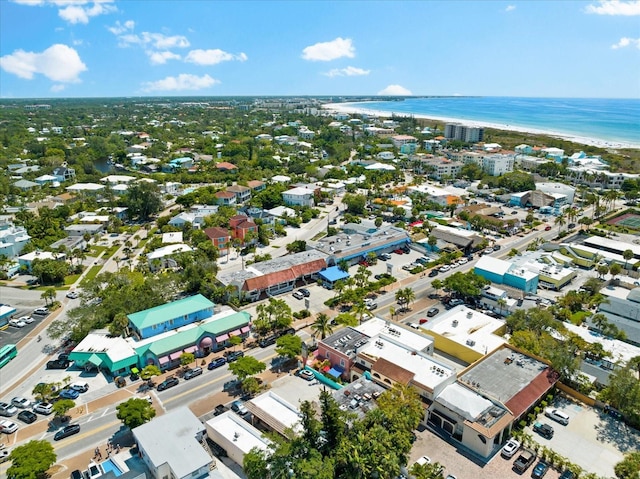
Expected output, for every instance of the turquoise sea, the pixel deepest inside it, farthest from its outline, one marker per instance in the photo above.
(608, 120)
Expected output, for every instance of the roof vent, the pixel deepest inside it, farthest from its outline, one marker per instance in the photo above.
(469, 314)
(454, 323)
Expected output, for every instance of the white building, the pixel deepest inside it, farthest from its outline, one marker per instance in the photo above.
(170, 446)
(235, 435)
(299, 196)
(496, 165)
(163, 255)
(12, 239)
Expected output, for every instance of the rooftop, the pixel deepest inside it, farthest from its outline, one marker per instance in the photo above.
(352, 245)
(161, 314)
(470, 328)
(238, 431)
(183, 453)
(168, 250)
(493, 265)
(277, 413)
(359, 387)
(116, 348)
(615, 245)
(411, 338)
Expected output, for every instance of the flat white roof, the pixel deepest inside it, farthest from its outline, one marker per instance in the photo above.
(620, 350)
(596, 251)
(424, 367)
(85, 187)
(430, 190)
(117, 179)
(169, 249)
(277, 407)
(494, 265)
(238, 431)
(299, 191)
(554, 271)
(182, 452)
(617, 245)
(117, 348)
(173, 237)
(474, 330)
(412, 339)
(464, 401)
(457, 231)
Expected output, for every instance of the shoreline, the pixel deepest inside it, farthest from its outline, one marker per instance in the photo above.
(583, 140)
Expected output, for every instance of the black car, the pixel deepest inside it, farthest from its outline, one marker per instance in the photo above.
(216, 363)
(167, 383)
(234, 355)
(433, 273)
(219, 409)
(305, 292)
(286, 331)
(192, 373)
(567, 474)
(58, 364)
(63, 357)
(76, 474)
(67, 431)
(27, 417)
(266, 342)
(544, 430)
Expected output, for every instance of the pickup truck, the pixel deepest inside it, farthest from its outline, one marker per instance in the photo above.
(524, 460)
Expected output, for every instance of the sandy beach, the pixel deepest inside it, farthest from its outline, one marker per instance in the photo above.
(352, 109)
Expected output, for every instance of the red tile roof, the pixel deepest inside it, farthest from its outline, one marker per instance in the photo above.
(216, 232)
(246, 225)
(225, 165)
(224, 194)
(529, 395)
(289, 274)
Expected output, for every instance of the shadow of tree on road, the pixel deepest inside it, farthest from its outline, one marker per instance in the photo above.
(612, 431)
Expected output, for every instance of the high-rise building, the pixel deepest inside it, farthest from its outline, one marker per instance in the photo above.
(468, 134)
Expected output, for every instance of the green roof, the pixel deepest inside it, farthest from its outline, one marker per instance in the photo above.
(182, 339)
(160, 314)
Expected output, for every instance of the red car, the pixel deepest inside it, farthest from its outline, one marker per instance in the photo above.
(423, 320)
(398, 251)
(547, 228)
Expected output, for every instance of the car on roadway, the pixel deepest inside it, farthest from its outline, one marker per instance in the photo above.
(4, 455)
(547, 228)
(16, 323)
(462, 261)
(41, 311)
(216, 363)
(43, 408)
(69, 393)
(234, 356)
(266, 342)
(540, 470)
(239, 407)
(444, 268)
(372, 306)
(192, 373)
(167, 383)
(73, 295)
(26, 319)
(27, 417)
(8, 427)
(510, 448)
(67, 431)
(557, 415)
(7, 410)
(433, 273)
(58, 364)
(307, 375)
(20, 402)
(543, 429)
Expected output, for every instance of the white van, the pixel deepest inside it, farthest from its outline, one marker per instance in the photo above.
(80, 386)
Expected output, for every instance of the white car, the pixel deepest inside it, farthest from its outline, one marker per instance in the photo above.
(22, 403)
(8, 427)
(26, 319)
(72, 295)
(445, 268)
(510, 448)
(16, 323)
(462, 261)
(423, 460)
(557, 415)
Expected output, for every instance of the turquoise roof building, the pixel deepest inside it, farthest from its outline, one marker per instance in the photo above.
(154, 321)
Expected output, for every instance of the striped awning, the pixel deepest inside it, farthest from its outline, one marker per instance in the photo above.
(245, 329)
(222, 337)
(235, 333)
(164, 360)
(191, 349)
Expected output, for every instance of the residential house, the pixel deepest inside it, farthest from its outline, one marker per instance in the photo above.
(25, 185)
(256, 185)
(226, 167)
(225, 198)
(220, 238)
(82, 229)
(26, 260)
(299, 196)
(70, 243)
(243, 193)
(162, 257)
(12, 239)
(241, 225)
(44, 179)
(400, 140)
(63, 173)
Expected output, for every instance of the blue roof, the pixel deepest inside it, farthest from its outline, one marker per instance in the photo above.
(333, 274)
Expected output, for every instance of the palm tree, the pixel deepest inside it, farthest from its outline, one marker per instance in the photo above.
(560, 221)
(392, 312)
(501, 303)
(627, 255)
(359, 309)
(409, 295)
(322, 326)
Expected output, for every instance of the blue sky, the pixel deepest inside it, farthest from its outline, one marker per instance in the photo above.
(81, 48)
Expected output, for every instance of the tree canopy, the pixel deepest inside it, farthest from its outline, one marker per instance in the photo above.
(31, 460)
(135, 412)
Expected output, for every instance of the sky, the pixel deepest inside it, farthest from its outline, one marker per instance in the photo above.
(110, 48)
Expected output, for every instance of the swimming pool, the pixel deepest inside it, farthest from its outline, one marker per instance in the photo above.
(109, 465)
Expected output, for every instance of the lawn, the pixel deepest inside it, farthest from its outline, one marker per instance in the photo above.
(579, 317)
(92, 273)
(72, 278)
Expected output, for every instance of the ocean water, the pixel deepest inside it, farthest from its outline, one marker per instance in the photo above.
(613, 120)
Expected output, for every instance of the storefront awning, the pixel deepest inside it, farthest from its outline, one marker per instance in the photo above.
(164, 360)
(245, 329)
(222, 337)
(235, 333)
(95, 360)
(134, 370)
(191, 349)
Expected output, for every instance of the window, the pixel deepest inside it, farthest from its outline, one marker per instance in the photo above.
(328, 354)
(221, 240)
(342, 362)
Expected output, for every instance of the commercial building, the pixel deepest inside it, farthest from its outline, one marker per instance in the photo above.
(275, 276)
(438, 167)
(558, 190)
(273, 412)
(171, 445)
(622, 309)
(504, 272)
(616, 247)
(467, 134)
(464, 240)
(437, 195)
(235, 435)
(356, 241)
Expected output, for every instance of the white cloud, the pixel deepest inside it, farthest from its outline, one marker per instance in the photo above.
(510, 8)
(75, 11)
(615, 7)
(120, 28)
(395, 90)
(213, 57)
(347, 72)
(57, 88)
(155, 40)
(184, 81)
(59, 63)
(327, 51)
(626, 42)
(160, 58)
